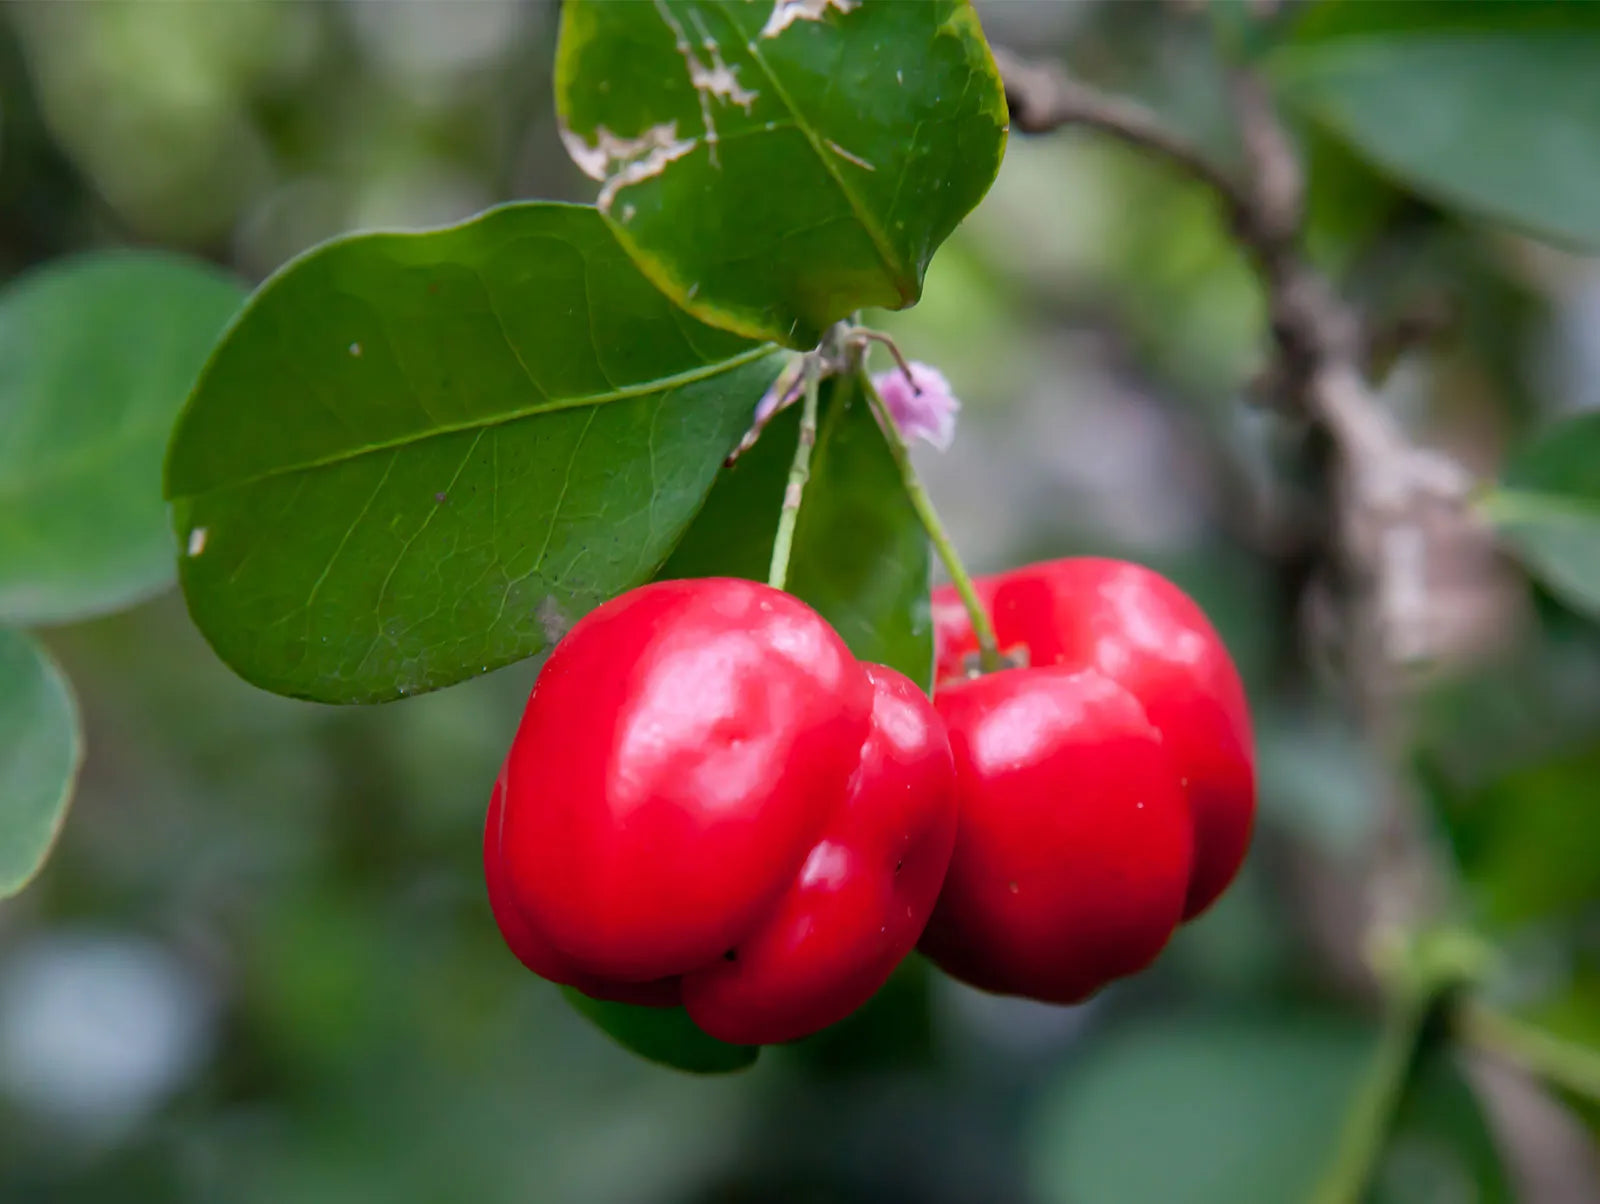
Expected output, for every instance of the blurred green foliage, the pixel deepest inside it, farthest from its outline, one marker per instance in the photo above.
(260, 965)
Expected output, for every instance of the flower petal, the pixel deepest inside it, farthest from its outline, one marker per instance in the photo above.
(923, 407)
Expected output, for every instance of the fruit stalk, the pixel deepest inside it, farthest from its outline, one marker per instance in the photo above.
(799, 474)
(982, 629)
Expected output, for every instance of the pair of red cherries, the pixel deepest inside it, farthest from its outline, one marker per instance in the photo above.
(710, 802)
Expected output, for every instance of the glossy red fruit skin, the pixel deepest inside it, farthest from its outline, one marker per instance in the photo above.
(677, 759)
(1141, 630)
(863, 896)
(531, 949)
(691, 753)
(1074, 841)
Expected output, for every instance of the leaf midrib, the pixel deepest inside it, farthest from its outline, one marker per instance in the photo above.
(880, 242)
(659, 385)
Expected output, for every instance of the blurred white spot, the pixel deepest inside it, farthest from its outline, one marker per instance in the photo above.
(435, 39)
(355, 350)
(96, 1029)
(417, 194)
(1573, 366)
(197, 541)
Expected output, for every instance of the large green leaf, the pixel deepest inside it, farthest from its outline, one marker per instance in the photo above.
(774, 166)
(1405, 84)
(40, 748)
(1324, 20)
(1548, 509)
(664, 1035)
(97, 354)
(416, 457)
(1529, 843)
(1243, 1110)
(860, 556)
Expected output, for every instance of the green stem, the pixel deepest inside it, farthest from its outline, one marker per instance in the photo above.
(799, 474)
(1366, 1127)
(988, 649)
(1561, 1063)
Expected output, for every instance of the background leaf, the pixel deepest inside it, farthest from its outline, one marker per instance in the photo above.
(772, 169)
(1548, 509)
(97, 353)
(664, 1035)
(1405, 84)
(860, 556)
(40, 748)
(417, 457)
(1251, 1108)
(1529, 842)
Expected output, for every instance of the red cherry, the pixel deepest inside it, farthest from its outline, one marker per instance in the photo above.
(686, 749)
(679, 755)
(864, 894)
(1142, 631)
(532, 950)
(1073, 851)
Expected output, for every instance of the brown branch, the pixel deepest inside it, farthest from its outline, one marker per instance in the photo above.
(1272, 166)
(1043, 98)
(1403, 557)
(1405, 567)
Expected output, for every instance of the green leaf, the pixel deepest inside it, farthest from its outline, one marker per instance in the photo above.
(40, 749)
(417, 457)
(1440, 1136)
(664, 1035)
(775, 166)
(1529, 843)
(1405, 84)
(1548, 509)
(860, 556)
(1329, 19)
(97, 354)
(1230, 1103)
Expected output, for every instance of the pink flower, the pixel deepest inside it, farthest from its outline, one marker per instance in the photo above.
(922, 407)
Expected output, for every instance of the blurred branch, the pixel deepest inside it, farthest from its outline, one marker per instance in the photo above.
(1044, 98)
(1403, 565)
(1397, 520)
(1424, 973)
(1377, 1101)
(1558, 1062)
(1427, 320)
